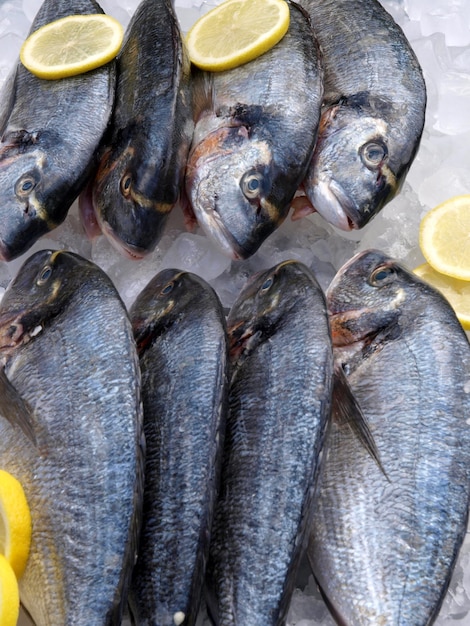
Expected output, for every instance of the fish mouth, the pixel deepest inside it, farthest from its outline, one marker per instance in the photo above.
(334, 205)
(214, 227)
(126, 249)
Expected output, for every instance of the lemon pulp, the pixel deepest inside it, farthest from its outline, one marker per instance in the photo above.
(444, 237)
(72, 45)
(237, 31)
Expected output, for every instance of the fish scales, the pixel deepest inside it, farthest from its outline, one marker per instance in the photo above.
(383, 547)
(180, 327)
(143, 159)
(48, 140)
(374, 109)
(255, 130)
(83, 475)
(280, 340)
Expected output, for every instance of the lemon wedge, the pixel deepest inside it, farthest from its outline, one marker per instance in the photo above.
(444, 237)
(9, 594)
(72, 45)
(15, 523)
(235, 32)
(456, 291)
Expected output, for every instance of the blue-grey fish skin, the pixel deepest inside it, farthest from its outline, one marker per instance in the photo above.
(373, 115)
(180, 330)
(383, 544)
(141, 170)
(255, 130)
(69, 353)
(279, 405)
(49, 132)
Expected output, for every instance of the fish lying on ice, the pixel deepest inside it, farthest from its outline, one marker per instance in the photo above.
(73, 436)
(383, 544)
(180, 330)
(142, 163)
(279, 404)
(373, 116)
(49, 132)
(255, 131)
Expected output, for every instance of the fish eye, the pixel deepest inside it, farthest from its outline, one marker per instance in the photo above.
(25, 185)
(381, 275)
(251, 185)
(373, 153)
(45, 274)
(267, 283)
(126, 184)
(167, 288)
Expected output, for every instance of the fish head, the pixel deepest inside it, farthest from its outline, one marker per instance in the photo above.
(368, 296)
(45, 283)
(354, 171)
(264, 302)
(164, 300)
(24, 187)
(131, 220)
(229, 182)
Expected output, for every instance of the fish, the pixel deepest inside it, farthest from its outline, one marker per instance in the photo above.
(71, 432)
(255, 130)
(142, 160)
(279, 405)
(180, 330)
(49, 133)
(373, 113)
(383, 544)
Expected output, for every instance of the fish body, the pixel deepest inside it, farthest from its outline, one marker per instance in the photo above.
(71, 433)
(373, 113)
(142, 165)
(254, 136)
(279, 405)
(384, 541)
(49, 132)
(180, 330)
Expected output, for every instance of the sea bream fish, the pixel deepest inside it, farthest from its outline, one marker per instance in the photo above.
(142, 161)
(71, 432)
(384, 541)
(279, 405)
(49, 132)
(180, 330)
(256, 127)
(373, 112)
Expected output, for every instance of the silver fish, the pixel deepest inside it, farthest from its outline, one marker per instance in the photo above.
(180, 331)
(373, 114)
(71, 433)
(279, 405)
(384, 543)
(256, 127)
(142, 163)
(49, 132)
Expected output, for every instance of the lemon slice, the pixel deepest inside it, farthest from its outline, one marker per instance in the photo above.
(456, 291)
(15, 523)
(72, 45)
(9, 594)
(236, 31)
(444, 237)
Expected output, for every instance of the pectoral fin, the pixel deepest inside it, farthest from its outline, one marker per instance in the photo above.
(347, 411)
(14, 409)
